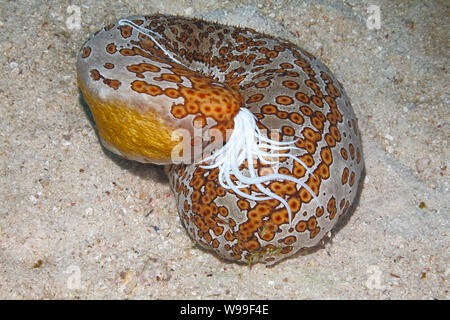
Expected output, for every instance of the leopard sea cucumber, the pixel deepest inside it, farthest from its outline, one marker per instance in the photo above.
(289, 170)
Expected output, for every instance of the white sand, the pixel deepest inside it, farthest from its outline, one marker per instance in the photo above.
(77, 222)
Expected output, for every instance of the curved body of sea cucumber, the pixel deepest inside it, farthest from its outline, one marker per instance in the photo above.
(170, 80)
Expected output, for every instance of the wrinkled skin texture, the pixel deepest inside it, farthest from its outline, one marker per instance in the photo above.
(287, 89)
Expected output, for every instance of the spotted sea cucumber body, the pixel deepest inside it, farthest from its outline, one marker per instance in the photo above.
(287, 89)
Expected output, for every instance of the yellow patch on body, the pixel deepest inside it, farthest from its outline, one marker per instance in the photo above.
(134, 134)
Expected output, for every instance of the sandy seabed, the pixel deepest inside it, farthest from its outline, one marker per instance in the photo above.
(76, 222)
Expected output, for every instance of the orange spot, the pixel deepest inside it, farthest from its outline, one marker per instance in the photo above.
(305, 195)
(95, 75)
(301, 63)
(352, 179)
(317, 123)
(335, 133)
(289, 131)
(317, 101)
(312, 223)
(263, 84)
(285, 100)
(326, 156)
(127, 52)
(298, 170)
(269, 109)
(86, 52)
(223, 211)
(172, 93)
(125, 31)
(314, 232)
(282, 114)
(294, 204)
(289, 240)
(286, 65)
(311, 84)
(301, 226)
(352, 151)
(111, 48)
(290, 84)
(332, 90)
(243, 204)
(323, 171)
(306, 110)
(330, 140)
(271, 54)
(296, 118)
(331, 102)
(108, 65)
(255, 98)
(115, 84)
(344, 176)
